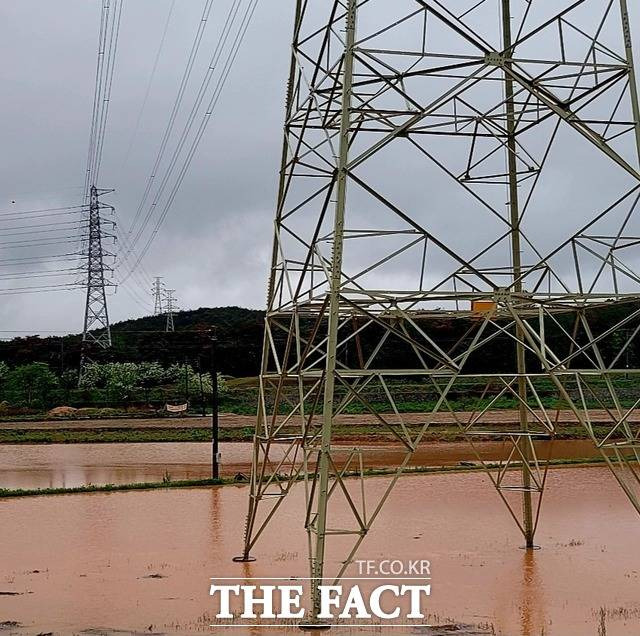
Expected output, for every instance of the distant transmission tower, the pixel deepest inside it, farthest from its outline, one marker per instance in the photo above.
(449, 167)
(169, 308)
(97, 330)
(156, 290)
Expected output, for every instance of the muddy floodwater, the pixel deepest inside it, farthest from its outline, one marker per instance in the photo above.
(143, 561)
(71, 465)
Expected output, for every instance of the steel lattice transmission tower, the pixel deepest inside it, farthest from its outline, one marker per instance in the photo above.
(157, 291)
(97, 330)
(458, 177)
(170, 308)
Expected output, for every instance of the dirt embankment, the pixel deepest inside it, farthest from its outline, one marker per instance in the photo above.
(233, 421)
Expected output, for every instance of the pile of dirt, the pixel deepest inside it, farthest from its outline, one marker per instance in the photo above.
(62, 411)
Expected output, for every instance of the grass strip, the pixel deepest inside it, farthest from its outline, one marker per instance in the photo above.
(6, 493)
(243, 434)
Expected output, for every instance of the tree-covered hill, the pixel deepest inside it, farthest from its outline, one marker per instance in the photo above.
(238, 331)
(239, 336)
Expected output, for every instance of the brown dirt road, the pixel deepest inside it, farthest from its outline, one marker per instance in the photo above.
(231, 421)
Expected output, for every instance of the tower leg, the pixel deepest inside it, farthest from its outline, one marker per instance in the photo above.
(319, 524)
(256, 472)
(246, 557)
(527, 508)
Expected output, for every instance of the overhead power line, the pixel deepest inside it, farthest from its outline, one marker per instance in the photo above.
(20, 214)
(45, 258)
(200, 96)
(176, 106)
(149, 83)
(195, 46)
(96, 316)
(137, 285)
(215, 95)
(52, 227)
(107, 49)
(36, 288)
(39, 276)
(37, 243)
(136, 299)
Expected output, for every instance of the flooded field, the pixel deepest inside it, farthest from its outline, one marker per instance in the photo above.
(142, 561)
(71, 465)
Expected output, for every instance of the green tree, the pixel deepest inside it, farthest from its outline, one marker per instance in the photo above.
(68, 382)
(197, 384)
(208, 387)
(150, 374)
(94, 376)
(122, 378)
(118, 378)
(31, 384)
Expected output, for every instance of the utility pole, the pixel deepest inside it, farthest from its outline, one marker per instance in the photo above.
(96, 316)
(156, 290)
(202, 404)
(186, 381)
(62, 355)
(215, 451)
(169, 308)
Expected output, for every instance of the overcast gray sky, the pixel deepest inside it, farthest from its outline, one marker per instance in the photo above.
(213, 247)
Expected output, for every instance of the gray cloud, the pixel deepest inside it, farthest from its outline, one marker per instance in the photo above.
(215, 243)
